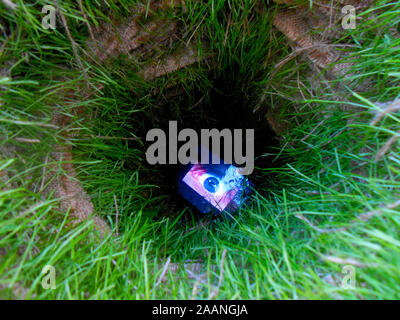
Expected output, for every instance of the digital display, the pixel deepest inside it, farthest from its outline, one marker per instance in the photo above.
(218, 184)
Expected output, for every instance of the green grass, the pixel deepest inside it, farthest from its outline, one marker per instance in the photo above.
(325, 172)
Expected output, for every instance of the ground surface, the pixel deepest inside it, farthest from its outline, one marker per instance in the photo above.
(77, 194)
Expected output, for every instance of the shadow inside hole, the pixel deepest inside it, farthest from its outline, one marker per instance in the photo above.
(224, 107)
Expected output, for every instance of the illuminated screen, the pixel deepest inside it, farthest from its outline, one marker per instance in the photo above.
(218, 188)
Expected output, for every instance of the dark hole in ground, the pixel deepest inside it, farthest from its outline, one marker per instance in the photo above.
(225, 107)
